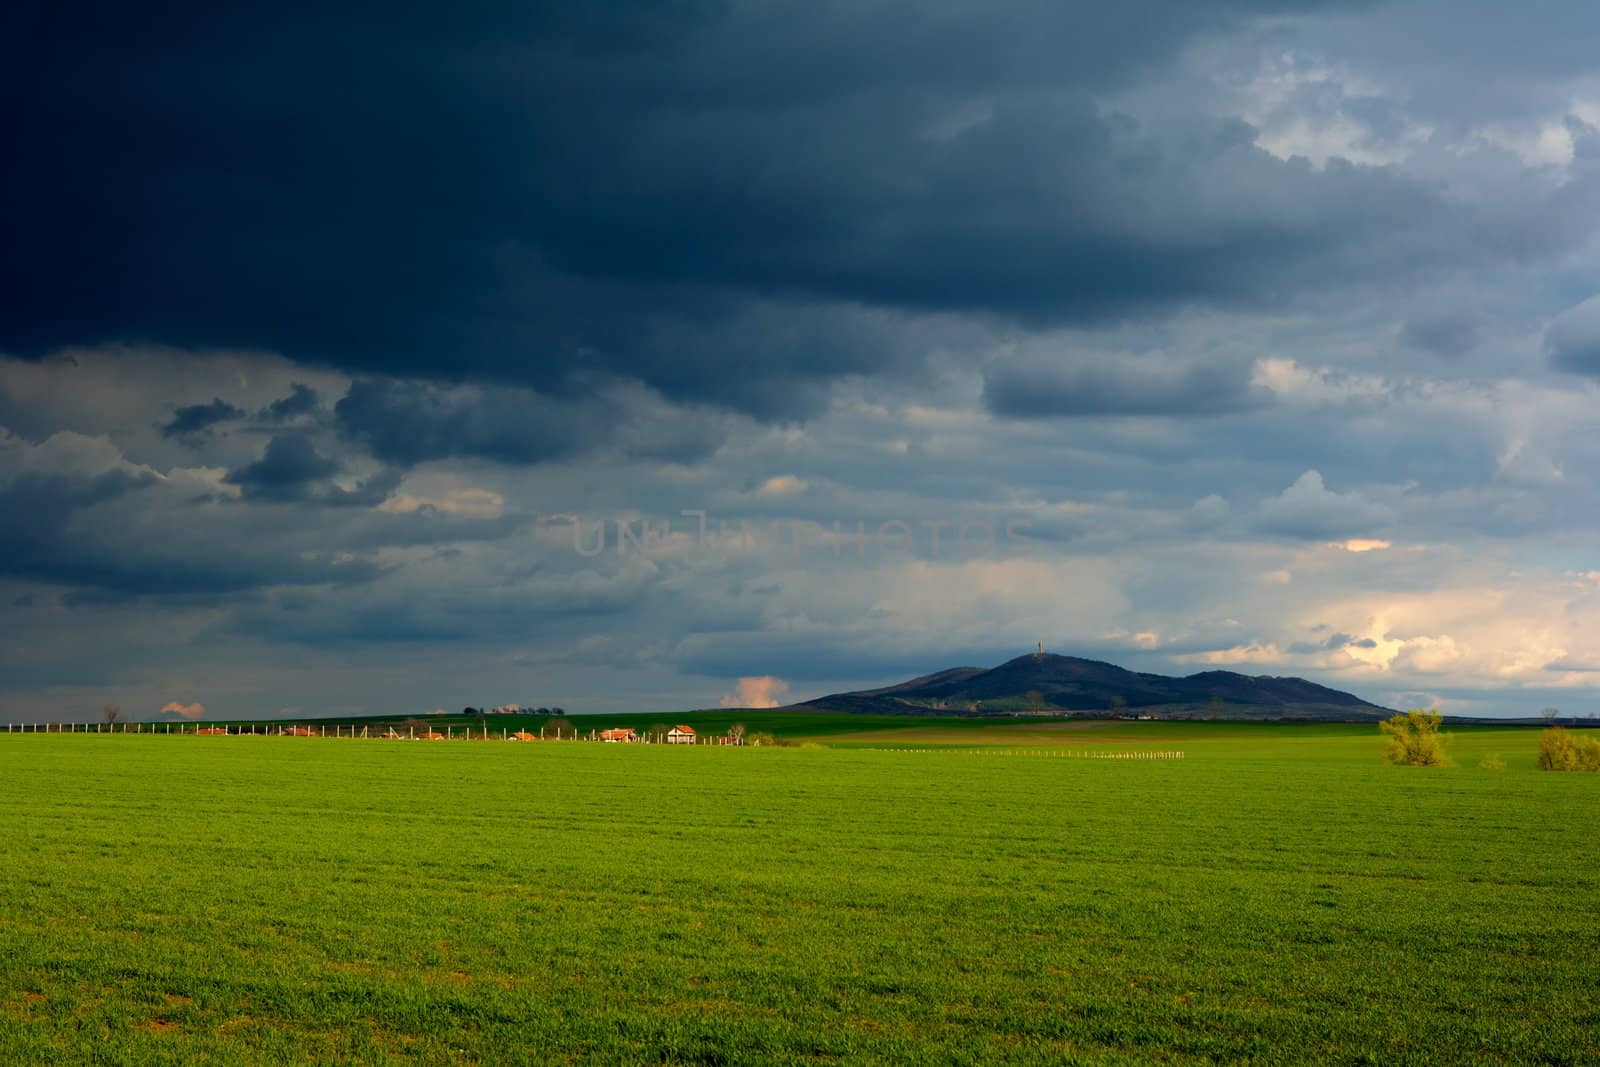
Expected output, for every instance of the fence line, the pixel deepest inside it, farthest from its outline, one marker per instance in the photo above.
(387, 732)
(483, 733)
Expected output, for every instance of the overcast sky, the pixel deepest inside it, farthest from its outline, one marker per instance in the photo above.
(345, 360)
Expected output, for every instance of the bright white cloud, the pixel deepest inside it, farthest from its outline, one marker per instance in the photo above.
(1312, 510)
(1364, 544)
(760, 691)
(781, 485)
(190, 711)
(466, 502)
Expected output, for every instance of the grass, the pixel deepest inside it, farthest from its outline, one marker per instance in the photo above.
(1277, 896)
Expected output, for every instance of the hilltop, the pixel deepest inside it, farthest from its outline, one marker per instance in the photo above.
(1042, 683)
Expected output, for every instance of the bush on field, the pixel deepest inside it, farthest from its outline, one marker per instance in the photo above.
(1560, 750)
(1414, 739)
(1492, 762)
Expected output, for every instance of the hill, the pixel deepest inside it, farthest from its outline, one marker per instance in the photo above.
(1042, 683)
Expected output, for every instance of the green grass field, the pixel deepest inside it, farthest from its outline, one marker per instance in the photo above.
(1277, 896)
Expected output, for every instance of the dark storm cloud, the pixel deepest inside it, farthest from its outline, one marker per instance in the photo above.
(127, 532)
(191, 422)
(512, 609)
(1333, 644)
(301, 401)
(97, 530)
(287, 470)
(155, 571)
(423, 283)
(36, 507)
(411, 422)
(533, 193)
(1444, 335)
(1116, 385)
(1573, 339)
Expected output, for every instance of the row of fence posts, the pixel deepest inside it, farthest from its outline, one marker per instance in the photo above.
(290, 730)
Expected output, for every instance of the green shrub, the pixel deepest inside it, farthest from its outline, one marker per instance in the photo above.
(1414, 739)
(1492, 762)
(1560, 750)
